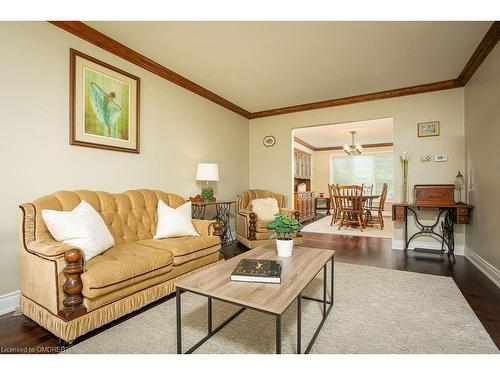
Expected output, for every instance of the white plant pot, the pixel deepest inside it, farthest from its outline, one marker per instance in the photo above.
(284, 247)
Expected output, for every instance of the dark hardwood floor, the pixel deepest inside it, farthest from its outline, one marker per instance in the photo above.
(20, 334)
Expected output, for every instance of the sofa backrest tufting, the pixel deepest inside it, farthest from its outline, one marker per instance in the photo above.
(130, 216)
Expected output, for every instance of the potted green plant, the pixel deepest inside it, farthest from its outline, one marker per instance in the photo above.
(284, 227)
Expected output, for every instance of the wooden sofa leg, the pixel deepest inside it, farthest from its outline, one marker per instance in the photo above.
(252, 227)
(72, 288)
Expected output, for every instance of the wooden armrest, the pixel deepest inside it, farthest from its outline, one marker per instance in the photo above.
(72, 287)
(290, 212)
(252, 222)
(48, 248)
(217, 228)
(207, 227)
(245, 212)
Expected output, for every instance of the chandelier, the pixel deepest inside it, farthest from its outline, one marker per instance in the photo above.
(353, 148)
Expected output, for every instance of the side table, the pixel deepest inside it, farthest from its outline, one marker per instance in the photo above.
(327, 203)
(222, 215)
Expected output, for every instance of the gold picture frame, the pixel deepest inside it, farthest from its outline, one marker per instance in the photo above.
(428, 129)
(104, 105)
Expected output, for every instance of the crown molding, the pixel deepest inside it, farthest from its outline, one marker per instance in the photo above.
(394, 93)
(304, 143)
(368, 145)
(488, 42)
(103, 41)
(311, 147)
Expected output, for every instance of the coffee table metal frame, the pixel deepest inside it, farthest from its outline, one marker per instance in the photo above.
(212, 331)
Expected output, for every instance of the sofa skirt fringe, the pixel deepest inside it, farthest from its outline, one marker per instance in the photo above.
(71, 329)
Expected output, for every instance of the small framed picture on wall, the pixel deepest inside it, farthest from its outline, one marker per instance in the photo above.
(428, 129)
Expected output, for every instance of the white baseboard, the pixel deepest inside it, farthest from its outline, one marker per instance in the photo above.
(9, 302)
(482, 265)
(400, 245)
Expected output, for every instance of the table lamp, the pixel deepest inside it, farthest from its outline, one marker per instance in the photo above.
(207, 172)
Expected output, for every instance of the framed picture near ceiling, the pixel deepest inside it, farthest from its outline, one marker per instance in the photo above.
(104, 105)
(428, 129)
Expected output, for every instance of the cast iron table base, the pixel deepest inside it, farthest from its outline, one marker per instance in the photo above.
(447, 230)
(222, 215)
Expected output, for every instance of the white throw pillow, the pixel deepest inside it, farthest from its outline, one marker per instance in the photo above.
(174, 222)
(83, 228)
(265, 208)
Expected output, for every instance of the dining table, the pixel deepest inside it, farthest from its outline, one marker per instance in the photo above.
(367, 203)
(370, 198)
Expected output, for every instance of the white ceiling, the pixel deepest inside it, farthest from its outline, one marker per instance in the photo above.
(368, 132)
(264, 65)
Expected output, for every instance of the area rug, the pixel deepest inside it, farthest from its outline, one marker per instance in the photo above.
(376, 311)
(323, 226)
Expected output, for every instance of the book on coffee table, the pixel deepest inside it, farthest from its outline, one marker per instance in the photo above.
(258, 271)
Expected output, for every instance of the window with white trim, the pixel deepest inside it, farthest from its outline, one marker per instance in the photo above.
(367, 169)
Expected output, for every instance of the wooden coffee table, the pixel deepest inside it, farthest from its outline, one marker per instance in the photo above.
(273, 299)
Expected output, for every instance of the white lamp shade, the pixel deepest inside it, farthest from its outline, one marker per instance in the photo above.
(207, 172)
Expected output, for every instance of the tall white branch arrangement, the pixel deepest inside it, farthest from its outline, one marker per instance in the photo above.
(404, 158)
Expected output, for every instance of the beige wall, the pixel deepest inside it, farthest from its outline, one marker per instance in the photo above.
(482, 131)
(178, 129)
(321, 171)
(444, 106)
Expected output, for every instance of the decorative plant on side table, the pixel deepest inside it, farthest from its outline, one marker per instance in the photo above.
(284, 227)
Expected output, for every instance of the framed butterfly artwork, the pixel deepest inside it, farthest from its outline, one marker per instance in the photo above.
(104, 105)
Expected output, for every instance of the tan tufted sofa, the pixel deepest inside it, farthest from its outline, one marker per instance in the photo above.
(70, 297)
(251, 231)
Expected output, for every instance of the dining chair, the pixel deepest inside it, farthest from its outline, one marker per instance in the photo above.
(350, 200)
(332, 191)
(368, 197)
(377, 219)
(368, 189)
(349, 189)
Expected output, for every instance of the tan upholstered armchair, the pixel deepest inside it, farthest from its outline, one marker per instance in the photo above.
(251, 231)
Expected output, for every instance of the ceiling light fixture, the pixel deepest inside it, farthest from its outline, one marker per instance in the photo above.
(353, 148)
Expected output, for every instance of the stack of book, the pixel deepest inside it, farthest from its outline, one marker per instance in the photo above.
(258, 271)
